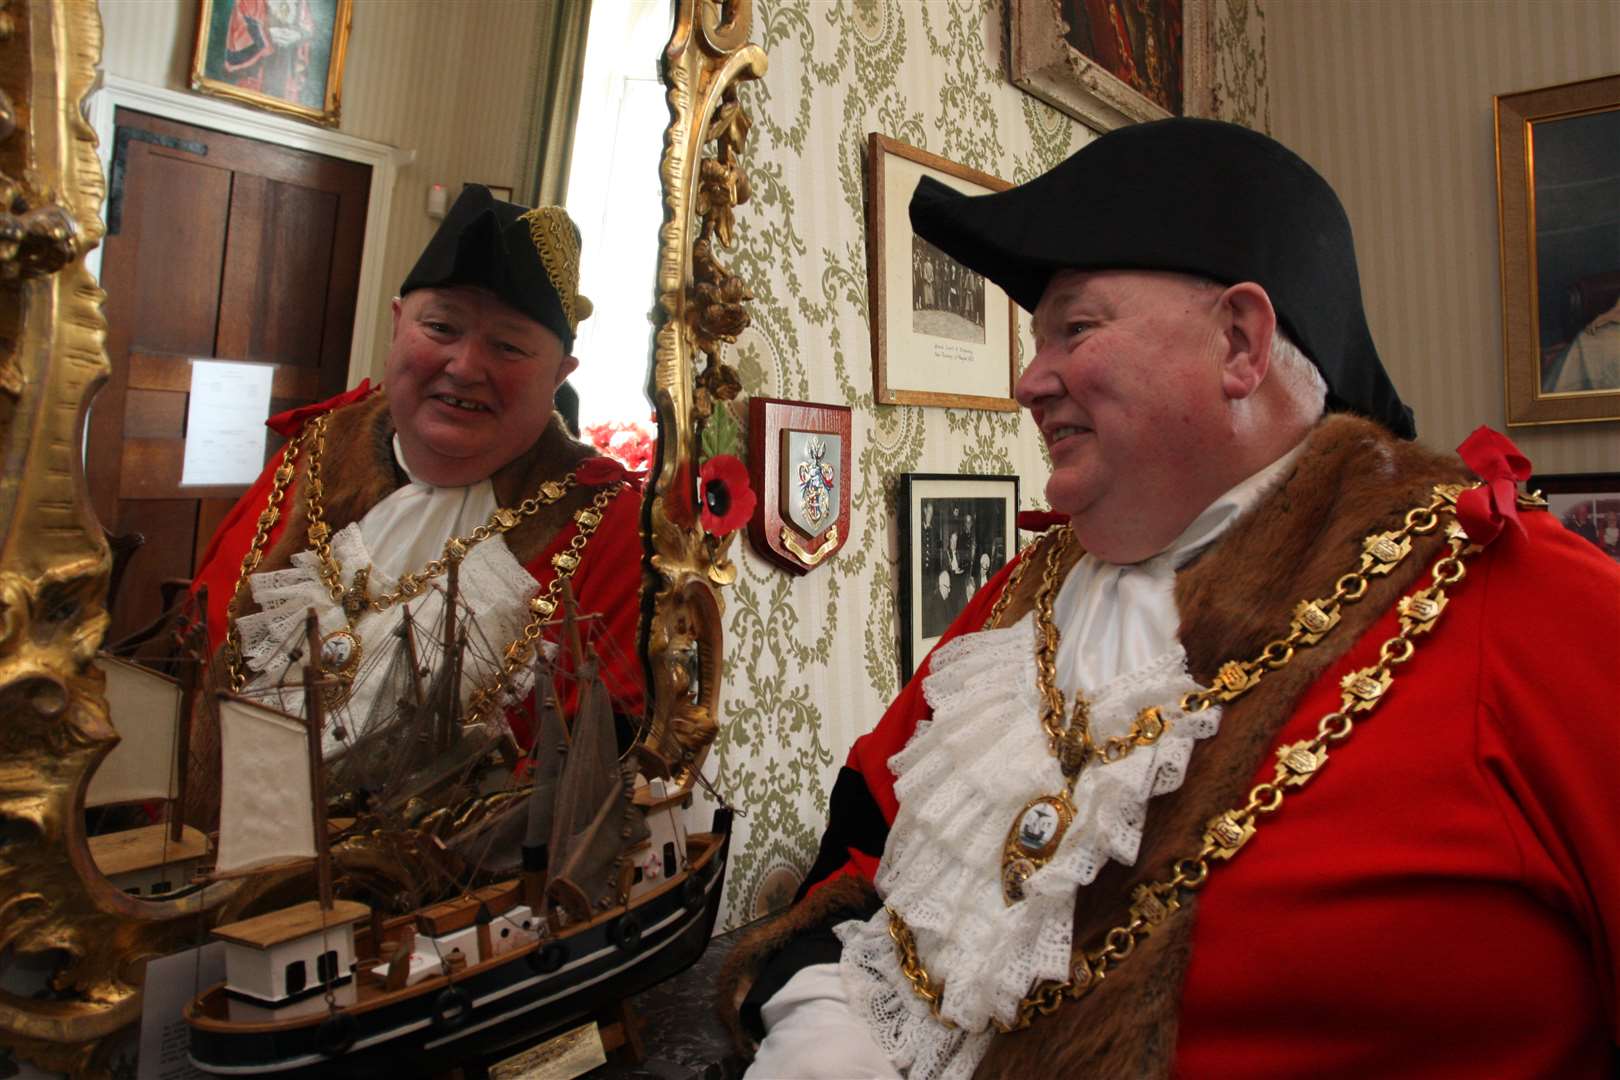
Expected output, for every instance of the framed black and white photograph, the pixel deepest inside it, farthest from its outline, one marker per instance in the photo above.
(942, 335)
(955, 533)
(1587, 503)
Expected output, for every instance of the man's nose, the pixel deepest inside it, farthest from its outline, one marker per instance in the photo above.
(468, 357)
(1037, 380)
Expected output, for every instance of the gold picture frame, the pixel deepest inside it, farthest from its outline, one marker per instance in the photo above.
(942, 335)
(271, 55)
(1048, 56)
(62, 920)
(1557, 160)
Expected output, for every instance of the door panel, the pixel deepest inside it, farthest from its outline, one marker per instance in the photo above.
(228, 249)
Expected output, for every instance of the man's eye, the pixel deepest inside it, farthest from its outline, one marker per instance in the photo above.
(439, 327)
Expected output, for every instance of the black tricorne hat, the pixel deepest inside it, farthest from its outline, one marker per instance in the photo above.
(528, 258)
(1195, 196)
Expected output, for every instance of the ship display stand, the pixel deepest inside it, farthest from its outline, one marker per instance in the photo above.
(611, 895)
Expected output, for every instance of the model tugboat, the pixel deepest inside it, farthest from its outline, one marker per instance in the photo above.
(608, 895)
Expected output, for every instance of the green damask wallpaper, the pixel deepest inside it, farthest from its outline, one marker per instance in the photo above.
(812, 661)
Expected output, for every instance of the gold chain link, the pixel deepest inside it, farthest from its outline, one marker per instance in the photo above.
(1297, 763)
(542, 606)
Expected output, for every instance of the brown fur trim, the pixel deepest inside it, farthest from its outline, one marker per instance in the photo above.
(1350, 480)
(844, 897)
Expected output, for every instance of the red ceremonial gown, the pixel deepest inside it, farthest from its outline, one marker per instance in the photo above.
(1443, 900)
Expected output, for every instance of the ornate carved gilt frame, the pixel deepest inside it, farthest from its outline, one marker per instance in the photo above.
(56, 911)
(700, 308)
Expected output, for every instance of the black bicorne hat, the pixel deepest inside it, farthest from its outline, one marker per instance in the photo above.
(528, 258)
(1195, 196)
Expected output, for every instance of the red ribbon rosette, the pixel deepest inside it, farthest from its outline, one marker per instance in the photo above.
(1482, 511)
(1040, 520)
(600, 471)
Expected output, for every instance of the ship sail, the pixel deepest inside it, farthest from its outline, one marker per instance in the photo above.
(144, 707)
(265, 795)
(595, 821)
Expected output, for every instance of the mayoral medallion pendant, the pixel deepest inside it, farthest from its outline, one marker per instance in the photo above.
(1032, 841)
(339, 660)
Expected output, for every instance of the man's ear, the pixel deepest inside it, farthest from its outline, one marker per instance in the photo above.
(398, 307)
(565, 368)
(1251, 322)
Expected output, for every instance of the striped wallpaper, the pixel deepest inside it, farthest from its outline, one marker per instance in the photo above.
(1392, 102)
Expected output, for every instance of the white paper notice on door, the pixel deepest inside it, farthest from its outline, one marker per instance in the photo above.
(225, 422)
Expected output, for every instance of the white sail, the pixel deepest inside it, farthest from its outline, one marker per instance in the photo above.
(264, 810)
(144, 707)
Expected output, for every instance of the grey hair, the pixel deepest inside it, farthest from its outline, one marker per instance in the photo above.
(1294, 371)
(1298, 376)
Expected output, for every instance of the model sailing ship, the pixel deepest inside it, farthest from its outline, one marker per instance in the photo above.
(591, 889)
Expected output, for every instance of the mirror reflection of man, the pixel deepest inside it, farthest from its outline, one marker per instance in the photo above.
(1202, 355)
(460, 444)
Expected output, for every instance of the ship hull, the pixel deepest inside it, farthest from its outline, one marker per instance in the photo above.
(489, 1010)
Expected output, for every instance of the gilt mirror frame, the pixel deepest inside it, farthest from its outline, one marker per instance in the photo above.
(55, 907)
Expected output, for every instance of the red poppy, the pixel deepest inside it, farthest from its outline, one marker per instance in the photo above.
(724, 494)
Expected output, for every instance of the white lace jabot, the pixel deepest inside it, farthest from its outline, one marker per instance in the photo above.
(966, 774)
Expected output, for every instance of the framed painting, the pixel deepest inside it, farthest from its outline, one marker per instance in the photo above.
(282, 55)
(1108, 64)
(1557, 184)
(942, 335)
(1587, 503)
(955, 533)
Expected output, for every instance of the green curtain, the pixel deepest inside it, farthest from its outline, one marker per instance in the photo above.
(559, 69)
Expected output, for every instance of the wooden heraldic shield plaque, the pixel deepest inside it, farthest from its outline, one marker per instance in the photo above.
(798, 462)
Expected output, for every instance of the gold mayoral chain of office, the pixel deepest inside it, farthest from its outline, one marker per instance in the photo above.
(340, 649)
(1153, 902)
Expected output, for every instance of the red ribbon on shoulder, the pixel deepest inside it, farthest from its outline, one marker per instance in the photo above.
(1040, 520)
(600, 471)
(1482, 511)
(289, 422)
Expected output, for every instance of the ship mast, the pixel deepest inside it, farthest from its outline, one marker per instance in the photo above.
(314, 686)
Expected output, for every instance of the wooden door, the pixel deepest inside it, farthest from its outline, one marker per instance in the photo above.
(218, 247)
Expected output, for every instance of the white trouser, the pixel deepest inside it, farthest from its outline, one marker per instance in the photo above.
(810, 1034)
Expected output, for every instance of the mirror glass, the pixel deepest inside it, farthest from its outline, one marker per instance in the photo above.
(249, 271)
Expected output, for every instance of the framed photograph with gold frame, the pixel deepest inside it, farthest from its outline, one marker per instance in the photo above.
(941, 334)
(1109, 64)
(285, 56)
(1557, 186)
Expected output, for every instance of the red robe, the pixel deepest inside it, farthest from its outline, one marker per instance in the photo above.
(1442, 900)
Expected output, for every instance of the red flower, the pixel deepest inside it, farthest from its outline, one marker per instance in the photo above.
(724, 494)
(1482, 511)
